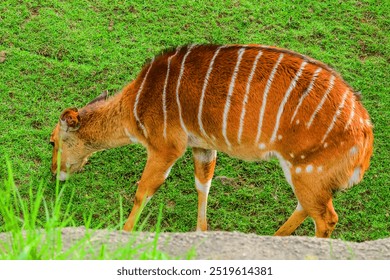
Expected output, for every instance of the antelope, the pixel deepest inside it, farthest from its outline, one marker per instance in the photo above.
(251, 102)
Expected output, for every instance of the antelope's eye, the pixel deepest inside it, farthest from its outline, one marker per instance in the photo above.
(51, 143)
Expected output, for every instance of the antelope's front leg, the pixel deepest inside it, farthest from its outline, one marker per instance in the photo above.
(156, 171)
(204, 161)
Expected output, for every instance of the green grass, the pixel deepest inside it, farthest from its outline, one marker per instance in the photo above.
(64, 53)
(28, 236)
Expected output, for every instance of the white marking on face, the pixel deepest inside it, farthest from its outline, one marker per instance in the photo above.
(265, 95)
(355, 178)
(137, 100)
(309, 168)
(307, 92)
(298, 170)
(178, 87)
(353, 151)
(229, 96)
(164, 94)
(330, 87)
(352, 114)
(245, 100)
(262, 146)
(205, 83)
(132, 138)
(336, 115)
(285, 99)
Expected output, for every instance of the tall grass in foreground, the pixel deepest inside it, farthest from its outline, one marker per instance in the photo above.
(26, 234)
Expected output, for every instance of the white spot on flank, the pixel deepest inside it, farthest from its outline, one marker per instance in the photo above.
(229, 96)
(355, 178)
(330, 87)
(361, 121)
(291, 155)
(245, 100)
(164, 95)
(178, 87)
(319, 168)
(302, 156)
(298, 170)
(353, 151)
(309, 168)
(307, 92)
(265, 95)
(280, 137)
(285, 99)
(205, 83)
(262, 146)
(336, 115)
(325, 144)
(135, 113)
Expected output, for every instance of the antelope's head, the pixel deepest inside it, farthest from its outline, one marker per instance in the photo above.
(69, 145)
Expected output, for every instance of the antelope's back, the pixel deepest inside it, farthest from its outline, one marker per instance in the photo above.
(250, 101)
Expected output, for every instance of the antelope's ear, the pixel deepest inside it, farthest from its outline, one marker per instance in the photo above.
(70, 119)
(102, 97)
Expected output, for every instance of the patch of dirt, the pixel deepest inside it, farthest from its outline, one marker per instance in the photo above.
(235, 245)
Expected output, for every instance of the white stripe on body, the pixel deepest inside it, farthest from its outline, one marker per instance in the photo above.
(245, 100)
(352, 114)
(178, 87)
(285, 99)
(164, 95)
(307, 92)
(205, 83)
(330, 87)
(265, 95)
(336, 115)
(229, 96)
(137, 100)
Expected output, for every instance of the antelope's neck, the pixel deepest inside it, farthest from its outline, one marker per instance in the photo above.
(105, 124)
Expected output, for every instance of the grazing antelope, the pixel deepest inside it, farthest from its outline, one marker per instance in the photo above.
(248, 101)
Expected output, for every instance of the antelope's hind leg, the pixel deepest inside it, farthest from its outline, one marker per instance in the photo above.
(157, 169)
(315, 200)
(204, 161)
(295, 220)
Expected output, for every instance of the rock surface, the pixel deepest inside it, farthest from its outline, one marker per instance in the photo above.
(235, 245)
(224, 245)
